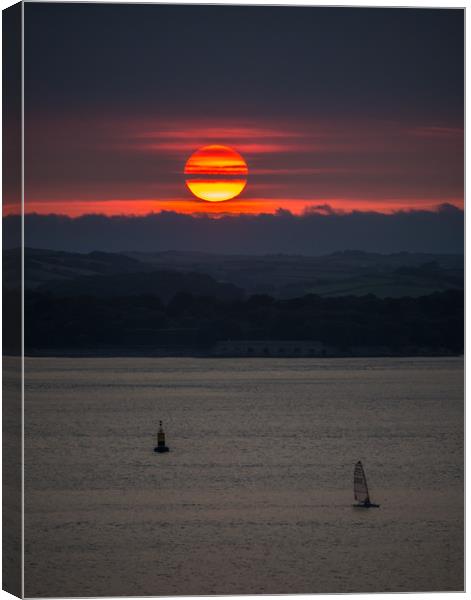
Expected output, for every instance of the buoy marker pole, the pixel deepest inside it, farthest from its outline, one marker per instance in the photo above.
(161, 447)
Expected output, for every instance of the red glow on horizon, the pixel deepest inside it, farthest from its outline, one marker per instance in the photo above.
(237, 206)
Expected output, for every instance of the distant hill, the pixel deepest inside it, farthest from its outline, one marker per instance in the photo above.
(161, 284)
(351, 302)
(338, 274)
(42, 266)
(281, 276)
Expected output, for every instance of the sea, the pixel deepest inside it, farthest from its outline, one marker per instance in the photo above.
(256, 493)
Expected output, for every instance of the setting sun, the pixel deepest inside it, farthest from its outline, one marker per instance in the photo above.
(216, 173)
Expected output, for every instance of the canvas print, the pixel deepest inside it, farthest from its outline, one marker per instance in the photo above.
(233, 299)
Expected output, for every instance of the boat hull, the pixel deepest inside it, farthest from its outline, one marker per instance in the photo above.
(161, 449)
(366, 505)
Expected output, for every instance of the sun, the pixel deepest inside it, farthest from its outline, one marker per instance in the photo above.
(216, 173)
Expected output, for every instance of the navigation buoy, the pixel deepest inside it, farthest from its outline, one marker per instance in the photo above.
(161, 447)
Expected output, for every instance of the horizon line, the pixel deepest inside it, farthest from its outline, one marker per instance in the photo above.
(320, 209)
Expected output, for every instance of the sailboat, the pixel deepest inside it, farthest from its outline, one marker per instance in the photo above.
(360, 488)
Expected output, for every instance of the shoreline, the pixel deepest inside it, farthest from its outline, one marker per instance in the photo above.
(160, 353)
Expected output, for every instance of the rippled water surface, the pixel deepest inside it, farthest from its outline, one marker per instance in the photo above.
(255, 495)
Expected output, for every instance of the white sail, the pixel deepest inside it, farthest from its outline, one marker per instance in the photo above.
(360, 487)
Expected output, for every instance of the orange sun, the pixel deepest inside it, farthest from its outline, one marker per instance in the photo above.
(217, 173)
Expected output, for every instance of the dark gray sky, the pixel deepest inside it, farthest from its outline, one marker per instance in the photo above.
(195, 60)
(360, 109)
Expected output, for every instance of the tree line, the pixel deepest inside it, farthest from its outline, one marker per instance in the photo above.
(435, 321)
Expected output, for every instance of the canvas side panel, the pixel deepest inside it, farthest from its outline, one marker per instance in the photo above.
(12, 287)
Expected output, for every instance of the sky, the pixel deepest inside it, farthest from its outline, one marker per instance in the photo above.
(332, 109)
